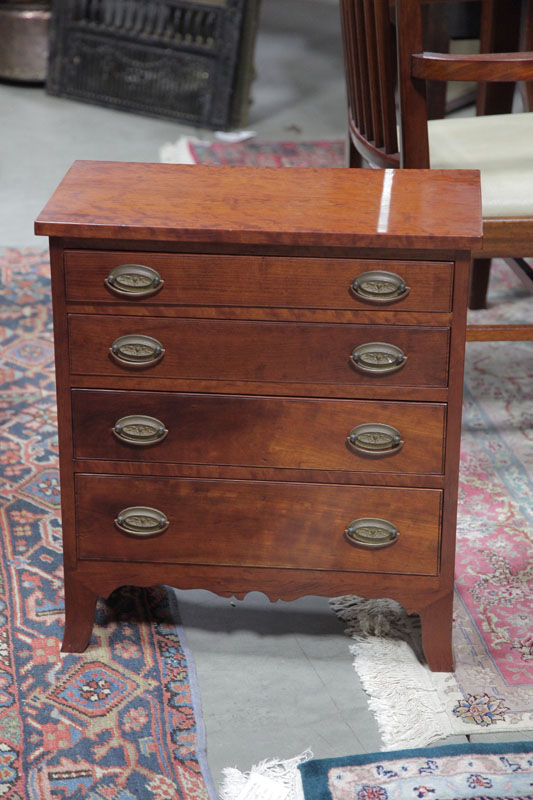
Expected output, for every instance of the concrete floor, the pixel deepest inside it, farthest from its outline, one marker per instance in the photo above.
(298, 93)
(274, 678)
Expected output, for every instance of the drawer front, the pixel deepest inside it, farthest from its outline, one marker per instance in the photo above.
(260, 351)
(238, 523)
(259, 432)
(262, 281)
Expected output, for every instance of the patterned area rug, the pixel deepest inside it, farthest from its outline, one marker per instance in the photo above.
(460, 772)
(187, 150)
(492, 688)
(271, 154)
(121, 720)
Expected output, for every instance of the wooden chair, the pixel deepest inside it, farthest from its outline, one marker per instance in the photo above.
(392, 131)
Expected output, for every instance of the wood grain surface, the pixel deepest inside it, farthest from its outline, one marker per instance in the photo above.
(260, 282)
(256, 387)
(259, 351)
(258, 431)
(312, 206)
(240, 523)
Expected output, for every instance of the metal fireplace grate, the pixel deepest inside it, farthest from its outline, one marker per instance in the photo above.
(190, 61)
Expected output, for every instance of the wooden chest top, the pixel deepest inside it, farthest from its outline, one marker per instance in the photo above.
(266, 205)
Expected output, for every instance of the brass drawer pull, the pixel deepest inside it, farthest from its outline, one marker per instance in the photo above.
(380, 287)
(134, 280)
(141, 521)
(375, 439)
(139, 430)
(378, 358)
(371, 532)
(136, 350)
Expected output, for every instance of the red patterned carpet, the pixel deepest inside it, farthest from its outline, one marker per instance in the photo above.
(271, 154)
(491, 690)
(120, 721)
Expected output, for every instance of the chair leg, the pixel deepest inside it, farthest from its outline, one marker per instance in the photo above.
(479, 283)
(527, 92)
(353, 157)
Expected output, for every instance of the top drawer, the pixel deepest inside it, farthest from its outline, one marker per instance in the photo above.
(261, 281)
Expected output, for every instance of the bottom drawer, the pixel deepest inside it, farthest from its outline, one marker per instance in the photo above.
(258, 524)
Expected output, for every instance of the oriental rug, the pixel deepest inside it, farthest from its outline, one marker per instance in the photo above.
(252, 153)
(271, 154)
(451, 772)
(121, 721)
(491, 690)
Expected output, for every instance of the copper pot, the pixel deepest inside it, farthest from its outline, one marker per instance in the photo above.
(24, 40)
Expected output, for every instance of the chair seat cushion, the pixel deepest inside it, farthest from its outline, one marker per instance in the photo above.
(501, 146)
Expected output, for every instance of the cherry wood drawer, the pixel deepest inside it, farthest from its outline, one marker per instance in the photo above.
(259, 431)
(239, 523)
(259, 351)
(262, 281)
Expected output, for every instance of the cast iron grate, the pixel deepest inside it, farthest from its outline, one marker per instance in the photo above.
(190, 61)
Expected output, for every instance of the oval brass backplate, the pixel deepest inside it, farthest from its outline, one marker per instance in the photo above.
(139, 430)
(378, 358)
(380, 287)
(141, 521)
(134, 281)
(371, 533)
(136, 350)
(375, 439)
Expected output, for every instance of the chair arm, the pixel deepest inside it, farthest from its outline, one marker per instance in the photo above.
(478, 67)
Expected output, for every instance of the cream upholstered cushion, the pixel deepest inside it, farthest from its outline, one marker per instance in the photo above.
(501, 146)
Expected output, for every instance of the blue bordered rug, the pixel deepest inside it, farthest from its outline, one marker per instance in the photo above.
(451, 772)
(122, 720)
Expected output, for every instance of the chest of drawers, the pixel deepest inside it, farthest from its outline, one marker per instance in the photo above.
(259, 378)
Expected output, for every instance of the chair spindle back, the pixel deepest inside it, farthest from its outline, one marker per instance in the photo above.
(369, 46)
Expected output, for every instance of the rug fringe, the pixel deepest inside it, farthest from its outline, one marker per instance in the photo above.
(391, 674)
(180, 151)
(284, 773)
(394, 680)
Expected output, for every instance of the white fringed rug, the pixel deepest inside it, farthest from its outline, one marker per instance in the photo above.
(272, 779)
